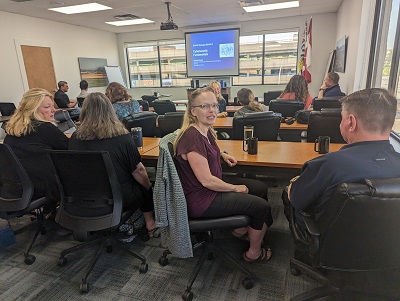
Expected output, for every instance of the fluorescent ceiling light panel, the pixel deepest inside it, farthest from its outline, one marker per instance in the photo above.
(82, 8)
(274, 6)
(130, 22)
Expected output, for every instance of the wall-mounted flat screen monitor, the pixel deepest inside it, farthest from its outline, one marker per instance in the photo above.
(212, 53)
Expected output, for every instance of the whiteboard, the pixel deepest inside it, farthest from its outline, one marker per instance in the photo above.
(114, 74)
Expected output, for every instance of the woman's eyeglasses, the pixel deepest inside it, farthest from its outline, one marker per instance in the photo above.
(207, 106)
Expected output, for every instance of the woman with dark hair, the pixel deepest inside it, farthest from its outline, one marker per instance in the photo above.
(246, 98)
(297, 89)
(100, 129)
(122, 102)
(208, 194)
(32, 130)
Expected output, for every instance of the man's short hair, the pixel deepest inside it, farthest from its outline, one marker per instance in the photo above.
(376, 108)
(61, 83)
(83, 85)
(334, 77)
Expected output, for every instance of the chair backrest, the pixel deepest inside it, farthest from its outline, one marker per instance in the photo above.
(286, 107)
(325, 123)
(80, 101)
(149, 99)
(7, 108)
(16, 189)
(235, 101)
(91, 196)
(266, 125)
(144, 104)
(225, 96)
(270, 95)
(327, 102)
(360, 229)
(146, 120)
(163, 106)
(169, 122)
(64, 121)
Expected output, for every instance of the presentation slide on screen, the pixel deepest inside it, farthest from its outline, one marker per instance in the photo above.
(213, 50)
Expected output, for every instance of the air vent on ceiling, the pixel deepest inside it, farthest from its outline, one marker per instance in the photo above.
(126, 17)
(245, 3)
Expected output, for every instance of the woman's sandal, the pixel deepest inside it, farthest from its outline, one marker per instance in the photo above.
(263, 256)
(244, 236)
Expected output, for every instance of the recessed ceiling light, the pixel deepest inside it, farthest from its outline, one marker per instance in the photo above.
(130, 22)
(82, 8)
(282, 5)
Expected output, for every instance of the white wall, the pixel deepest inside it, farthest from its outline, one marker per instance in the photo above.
(324, 40)
(67, 42)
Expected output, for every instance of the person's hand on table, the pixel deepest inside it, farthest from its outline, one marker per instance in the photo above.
(230, 160)
(222, 114)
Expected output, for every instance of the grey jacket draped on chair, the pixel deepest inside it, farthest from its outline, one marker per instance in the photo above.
(170, 204)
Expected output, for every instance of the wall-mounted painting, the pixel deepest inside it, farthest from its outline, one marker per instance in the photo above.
(92, 70)
(340, 55)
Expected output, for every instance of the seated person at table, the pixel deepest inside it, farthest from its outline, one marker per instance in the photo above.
(207, 193)
(122, 102)
(297, 89)
(330, 86)
(100, 129)
(83, 85)
(31, 131)
(246, 98)
(62, 100)
(216, 86)
(367, 119)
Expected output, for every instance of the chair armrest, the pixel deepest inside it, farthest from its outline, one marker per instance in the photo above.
(311, 226)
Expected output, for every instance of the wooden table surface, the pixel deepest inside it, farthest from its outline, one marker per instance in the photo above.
(227, 123)
(233, 109)
(4, 118)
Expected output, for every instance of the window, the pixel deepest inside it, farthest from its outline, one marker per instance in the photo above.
(267, 59)
(158, 65)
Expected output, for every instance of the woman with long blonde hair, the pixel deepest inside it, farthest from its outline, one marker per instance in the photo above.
(30, 131)
(216, 87)
(100, 129)
(209, 194)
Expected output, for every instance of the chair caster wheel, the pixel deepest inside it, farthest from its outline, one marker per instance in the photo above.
(109, 249)
(187, 295)
(62, 261)
(295, 272)
(84, 287)
(143, 268)
(163, 261)
(29, 259)
(210, 256)
(247, 283)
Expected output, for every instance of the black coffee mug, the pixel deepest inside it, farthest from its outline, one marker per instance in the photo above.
(323, 144)
(137, 136)
(252, 146)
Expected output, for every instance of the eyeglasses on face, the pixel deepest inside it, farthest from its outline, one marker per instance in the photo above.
(207, 106)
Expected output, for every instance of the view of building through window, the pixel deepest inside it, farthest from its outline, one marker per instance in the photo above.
(264, 59)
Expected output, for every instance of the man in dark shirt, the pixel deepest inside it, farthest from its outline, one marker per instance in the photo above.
(367, 119)
(330, 86)
(62, 100)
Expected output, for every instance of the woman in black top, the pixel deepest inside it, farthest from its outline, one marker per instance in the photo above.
(31, 131)
(100, 129)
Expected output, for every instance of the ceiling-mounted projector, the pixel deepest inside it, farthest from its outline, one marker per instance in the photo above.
(169, 24)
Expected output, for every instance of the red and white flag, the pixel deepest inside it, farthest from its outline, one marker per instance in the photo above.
(307, 53)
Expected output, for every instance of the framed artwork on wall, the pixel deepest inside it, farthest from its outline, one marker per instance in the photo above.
(92, 70)
(340, 55)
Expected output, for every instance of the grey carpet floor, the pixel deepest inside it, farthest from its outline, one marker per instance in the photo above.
(116, 275)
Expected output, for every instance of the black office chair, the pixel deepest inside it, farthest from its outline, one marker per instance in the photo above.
(327, 102)
(170, 122)
(204, 237)
(357, 233)
(80, 101)
(146, 120)
(163, 106)
(286, 107)
(149, 99)
(270, 95)
(91, 201)
(144, 104)
(325, 123)
(266, 125)
(225, 96)
(7, 108)
(16, 191)
(64, 121)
